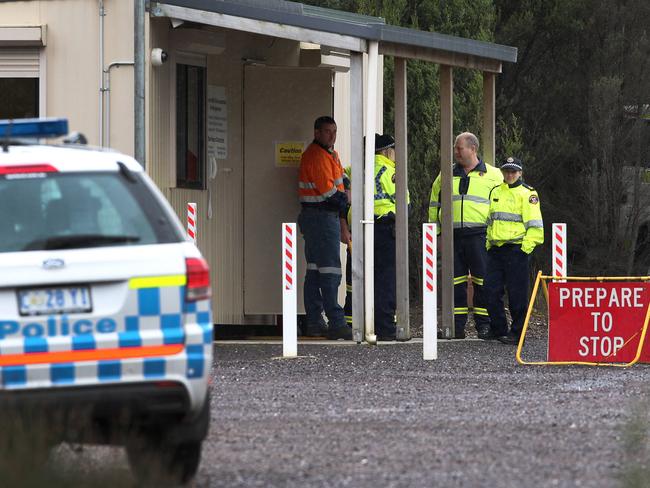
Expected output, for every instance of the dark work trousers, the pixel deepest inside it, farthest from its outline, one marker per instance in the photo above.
(507, 267)
(470, 256)
(322, 233)
(385, 276)
(348, 286)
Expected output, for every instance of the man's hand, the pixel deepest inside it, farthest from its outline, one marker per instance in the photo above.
(346, 237)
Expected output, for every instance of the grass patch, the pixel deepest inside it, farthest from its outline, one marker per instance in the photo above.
(636, 446)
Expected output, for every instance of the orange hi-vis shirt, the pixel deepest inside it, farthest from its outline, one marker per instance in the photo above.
(320, 175)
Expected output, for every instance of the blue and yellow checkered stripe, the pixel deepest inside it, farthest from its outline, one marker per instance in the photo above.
(155, 314)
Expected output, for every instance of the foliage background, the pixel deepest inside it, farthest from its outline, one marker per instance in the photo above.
(574, 108)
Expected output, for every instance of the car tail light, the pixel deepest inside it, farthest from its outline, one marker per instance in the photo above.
(198, 279)
(27, 168)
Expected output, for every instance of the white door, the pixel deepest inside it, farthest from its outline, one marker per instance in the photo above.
(281, 105)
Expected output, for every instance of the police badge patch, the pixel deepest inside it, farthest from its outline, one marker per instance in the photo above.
(533, 199)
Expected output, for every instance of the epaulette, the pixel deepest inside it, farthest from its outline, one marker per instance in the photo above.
(527, 186)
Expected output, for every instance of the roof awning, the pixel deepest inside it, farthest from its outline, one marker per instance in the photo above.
(337, 29)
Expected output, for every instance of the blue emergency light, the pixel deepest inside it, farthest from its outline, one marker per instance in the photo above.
(37, 128)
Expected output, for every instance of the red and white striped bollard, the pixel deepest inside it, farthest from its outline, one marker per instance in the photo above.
(289, 293)
(559, 255)
(429, 293)
(191, 221)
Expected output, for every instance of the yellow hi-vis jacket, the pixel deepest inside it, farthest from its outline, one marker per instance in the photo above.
(385, 187)
(470, 197)
(515, 217)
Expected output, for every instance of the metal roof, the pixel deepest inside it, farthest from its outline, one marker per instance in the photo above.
(444, 42)
(365, 27)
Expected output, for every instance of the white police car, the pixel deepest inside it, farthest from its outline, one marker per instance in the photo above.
(104, 305)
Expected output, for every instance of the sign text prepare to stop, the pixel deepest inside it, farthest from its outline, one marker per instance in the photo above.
(601, 296)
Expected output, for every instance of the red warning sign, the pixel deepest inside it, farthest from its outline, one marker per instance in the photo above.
(597, 322)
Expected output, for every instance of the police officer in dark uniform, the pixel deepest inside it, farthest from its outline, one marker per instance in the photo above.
(385, 271)
(515, 228)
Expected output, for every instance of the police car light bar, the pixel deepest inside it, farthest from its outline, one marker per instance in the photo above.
(19, 128)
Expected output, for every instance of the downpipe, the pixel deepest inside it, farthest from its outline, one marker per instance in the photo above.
(102, 88)
(107, 90)
(139, 77)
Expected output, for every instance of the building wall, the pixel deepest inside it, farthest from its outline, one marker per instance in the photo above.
(72, 67)
(221, 237)
(72, 89)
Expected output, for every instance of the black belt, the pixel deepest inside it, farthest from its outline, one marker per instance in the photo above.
(319, 208)
(506, 247)
(385, 221)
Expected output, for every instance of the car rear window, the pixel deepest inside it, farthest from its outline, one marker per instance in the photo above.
(79, 210)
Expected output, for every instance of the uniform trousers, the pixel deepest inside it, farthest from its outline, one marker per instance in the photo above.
(348, 286)
(385, 280)
(470, 256)
(322, 233)
(385, 277)
(508, 266)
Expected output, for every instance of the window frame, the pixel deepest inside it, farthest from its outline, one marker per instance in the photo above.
(196, 61)
(39, 73)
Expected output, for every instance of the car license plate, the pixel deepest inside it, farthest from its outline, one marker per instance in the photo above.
(45, 301)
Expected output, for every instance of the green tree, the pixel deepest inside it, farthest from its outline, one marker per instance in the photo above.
(578, 91)
(472, 19)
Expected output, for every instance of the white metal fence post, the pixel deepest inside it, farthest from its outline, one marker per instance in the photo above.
(429, 292)
(289, 295)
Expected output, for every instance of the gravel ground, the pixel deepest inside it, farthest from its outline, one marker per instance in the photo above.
(362, 416)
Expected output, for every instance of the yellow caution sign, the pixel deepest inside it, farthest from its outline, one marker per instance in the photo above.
(287, 153)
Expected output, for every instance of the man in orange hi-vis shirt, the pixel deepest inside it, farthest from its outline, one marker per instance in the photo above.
(323, 201)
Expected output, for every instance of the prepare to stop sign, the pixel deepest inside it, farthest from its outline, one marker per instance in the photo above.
(596, 322)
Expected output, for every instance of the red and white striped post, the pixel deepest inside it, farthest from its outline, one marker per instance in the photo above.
(191, 221)
(559, 258)
(289, 294)
(429, 291)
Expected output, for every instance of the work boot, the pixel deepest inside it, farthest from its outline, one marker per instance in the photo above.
(386, 335)
(315, 330)
(484, 332)
(510, 338)
(340, 332)
(458, 335)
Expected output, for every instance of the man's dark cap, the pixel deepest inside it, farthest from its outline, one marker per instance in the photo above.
(512, 164)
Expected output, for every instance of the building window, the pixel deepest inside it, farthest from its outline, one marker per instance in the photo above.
(190, 126)
(18, 98)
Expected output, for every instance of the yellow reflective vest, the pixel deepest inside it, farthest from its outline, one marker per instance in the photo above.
(470, 197)
(385, 186)
(515, 217)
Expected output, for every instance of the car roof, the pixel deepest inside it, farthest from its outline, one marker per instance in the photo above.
(66, 158)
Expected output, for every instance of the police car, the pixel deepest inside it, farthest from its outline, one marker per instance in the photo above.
(104, 303)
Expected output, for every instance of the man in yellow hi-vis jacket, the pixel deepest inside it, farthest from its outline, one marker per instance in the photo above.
(472, 182)
(515, 228)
